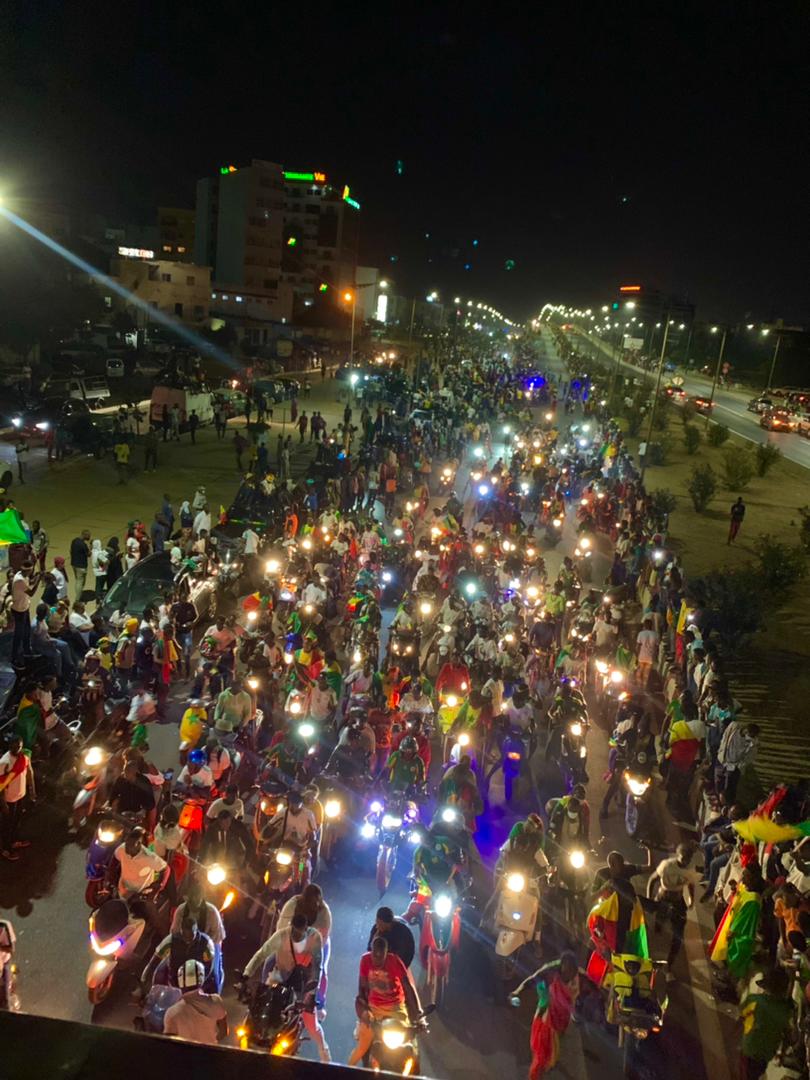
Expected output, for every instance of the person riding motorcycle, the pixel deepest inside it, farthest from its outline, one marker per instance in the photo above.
(459, 787)
(293, 824)
(404, 619)
(567, 706)
(404, 769)
(437, 864)
(523, 848)
(413, 728)
(454, 677)
(568, 823)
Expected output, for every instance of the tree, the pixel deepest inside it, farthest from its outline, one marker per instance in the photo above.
(662, 504)
(702, 486)
(766, 456)
(691, 439)
(738, 469)
(734, 605)
(780, 567)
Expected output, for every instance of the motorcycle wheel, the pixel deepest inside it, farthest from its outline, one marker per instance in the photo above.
(386, 861)
(92, 893)
(436, 985)
(632, 816)
(97, 994)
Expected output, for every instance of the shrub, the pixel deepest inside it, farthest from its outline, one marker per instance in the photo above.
(661, 418)
(718, 434)
(688, 412)
(765, 456)
(702, 486)
(691, 439)
(738, 468)
(662, 504)
(734, 604)
(804, 527)
(780, 567)
(658, 452)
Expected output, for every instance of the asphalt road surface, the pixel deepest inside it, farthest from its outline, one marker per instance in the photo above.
(472, 1036)
(730, 409)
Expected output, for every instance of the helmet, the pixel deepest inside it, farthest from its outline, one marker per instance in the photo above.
(534, 822)
(190, 975)
(409, 743)
(196, 757)
(130, 626)
(295, 798)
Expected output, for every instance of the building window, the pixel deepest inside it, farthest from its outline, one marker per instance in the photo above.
(239, 299)
(189, 281)
(165, 277)
(178, 310)
(167, 247)
(153, 273)
(182, 250)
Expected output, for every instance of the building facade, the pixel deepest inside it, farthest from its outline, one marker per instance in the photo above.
(176, 234)
(182, 290)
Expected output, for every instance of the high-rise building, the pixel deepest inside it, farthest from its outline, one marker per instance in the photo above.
(269, 233)
(176, 233)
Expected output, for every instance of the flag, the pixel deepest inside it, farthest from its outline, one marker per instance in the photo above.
(759, 829)
(603, 920)
(733, 942)
(684, 745)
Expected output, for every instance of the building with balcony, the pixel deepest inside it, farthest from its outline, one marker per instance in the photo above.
(179, 289)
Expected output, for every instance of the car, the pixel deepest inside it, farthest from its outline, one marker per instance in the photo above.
(675, 393)
(148, 581)
(34, 419)
(779, 420)
(115, 367)
(272, 389)
(804, 423)
(233, 401)
(703, 404)
(759, 404)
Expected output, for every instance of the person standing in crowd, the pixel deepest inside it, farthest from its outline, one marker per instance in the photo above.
(193, 424)
(736, 515)
(16, 781)
(79, 559)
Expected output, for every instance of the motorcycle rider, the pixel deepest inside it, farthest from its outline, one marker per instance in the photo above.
(294, 823)
(138, 870)
(172, 953)
(568, 824)
(196, 777)
(437, 864)
(396, 932)
(295, 956)
(459, 787)
(523, 846)
(413, 727)
(415, 700)
(405, 770)
(197, 1016)
(635, 751)
(385, 991)
(454, 676)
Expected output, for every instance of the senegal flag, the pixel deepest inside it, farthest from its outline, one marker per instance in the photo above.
(684, 745)
(759, 829)
(733, 942)
(604, 921)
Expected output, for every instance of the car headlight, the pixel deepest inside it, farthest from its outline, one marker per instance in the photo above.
(515, 883)
(577, 859)
(443, 905)
(332, 808)
(367, 830)
(283, 857)
(391, 822)
(215, 874)
(393, 1037)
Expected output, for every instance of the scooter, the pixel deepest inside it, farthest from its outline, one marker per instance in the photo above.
(100, 769)
(391, 823)
(441, 936)
(516, 918)
(117, 937)
(637, 805)
(9, 998)
(108, 836)
(274, 1021)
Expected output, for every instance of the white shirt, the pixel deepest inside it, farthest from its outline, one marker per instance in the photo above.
(20, 600)
(313, 594)
(299, 826)
(137, 871)
(202, 778)
(251, 539)
(61, 583)
(202, 521)
(16, 788)
(236, 809)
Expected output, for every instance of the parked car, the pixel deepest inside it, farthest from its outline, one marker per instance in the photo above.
(779, 420)
(804, 424)
(272, 388)
(759, 404)
(33, 419)
(148, 581)
(92, 389)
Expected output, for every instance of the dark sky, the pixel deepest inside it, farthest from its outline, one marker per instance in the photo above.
(591, 144)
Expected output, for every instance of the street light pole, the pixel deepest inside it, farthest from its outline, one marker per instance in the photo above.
(655, 396)
(716, 375)
(351, 341)
(773, 361)
(413, 314)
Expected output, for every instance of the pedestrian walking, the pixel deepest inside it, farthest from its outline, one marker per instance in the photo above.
(100, 562)
(79, 558)
(736, 519)
(121, 455)
(240, 445)
(219, 420)
(39, 543)
(175, 419)
(202, 522)
(260, 408)
(647, 640)
(150, 448)
(293, 410)
(165, 421)
(21, 450)
(193, 424)
(303, 423)
(307, 388)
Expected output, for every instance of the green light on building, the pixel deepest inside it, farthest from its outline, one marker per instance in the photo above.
(305, 176)
(292, 241)
(354, 203)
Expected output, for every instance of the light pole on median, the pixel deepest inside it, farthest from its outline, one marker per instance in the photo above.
(655, 396)
(714, 330)
(773, 360)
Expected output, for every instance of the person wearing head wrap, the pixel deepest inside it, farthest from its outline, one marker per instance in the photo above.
(125, 653)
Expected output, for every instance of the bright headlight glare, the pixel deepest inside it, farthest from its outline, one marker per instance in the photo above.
(331, 808)
(215, 874)
(367, 830)
(577, 859)
(393, 1037)
(443, 905)
(516, 883)
(391, 822)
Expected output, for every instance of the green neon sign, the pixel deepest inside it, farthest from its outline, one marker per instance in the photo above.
(308, 176)
(354, 203)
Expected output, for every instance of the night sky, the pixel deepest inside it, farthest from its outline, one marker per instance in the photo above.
(591, 144)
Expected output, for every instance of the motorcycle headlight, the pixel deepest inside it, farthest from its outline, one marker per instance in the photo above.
(516, 883)
(272, 566)
(94, 756)
(443, 905)
(577, 859)
(376, 807)
(451, 700)
(393, 1037)
(106, 948)
(583, 752)
(332, 808)
(464, 739)
(306, 731)
(636, 787)
(215, 874)
(295, 707)
(391, 822)
(367, 830)
(576, 729)
(107, 833)
(617, 676)
(386, 576)
(414, 837)
(449, 814)
(601, 667)
(283, 857)
(357, 656)
(253, 683)
(426, 607)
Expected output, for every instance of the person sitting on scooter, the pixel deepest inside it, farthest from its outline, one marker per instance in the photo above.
(174, 950)
(197, 1016)
(385, 991)
(229, 801)
(396, 932)
(131, 793)
(415, 700)
(567, 825)
(349, 760)
(525, 845)
(459, 787)
(566, 706)
(219, 760)
(140, 872)
(224, 844)
(293, 824)
(413, 727)
(405, 770)
(196, 777)
(437, 864)
(454, 677)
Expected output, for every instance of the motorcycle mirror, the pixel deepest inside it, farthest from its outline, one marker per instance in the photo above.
(514, 1002)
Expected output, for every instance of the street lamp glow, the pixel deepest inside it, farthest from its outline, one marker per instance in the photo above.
(765, 331)
(630, 305)
(348, 296)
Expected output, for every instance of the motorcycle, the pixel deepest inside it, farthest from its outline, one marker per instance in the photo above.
(334, 818)
(394, 1048)
(117, 937)
(441, 935)
(286, 870)
(637, 805)
(392, 823)
(9, 998)
(108, 836)
(635, 1003)
(274, 1022)
(403, 649)
(572, 877)
(100, 769)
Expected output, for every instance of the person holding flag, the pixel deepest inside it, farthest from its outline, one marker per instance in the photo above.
(733, 943)
(16, 781)
(616, 920)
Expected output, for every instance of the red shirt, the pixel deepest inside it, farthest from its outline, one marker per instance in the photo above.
(385, 984)
(452, 676)
(422, 746)
(381, 723)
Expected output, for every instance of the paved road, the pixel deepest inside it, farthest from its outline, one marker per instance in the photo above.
(471, 1038)
(730, 409)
